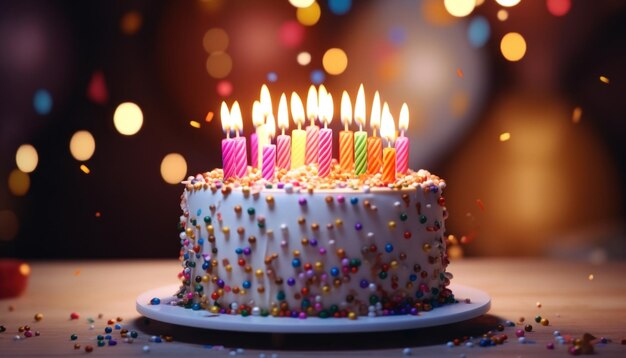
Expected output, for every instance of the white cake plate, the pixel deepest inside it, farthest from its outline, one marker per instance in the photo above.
(479, 303)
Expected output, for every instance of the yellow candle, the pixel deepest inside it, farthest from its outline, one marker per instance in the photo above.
(298, 136)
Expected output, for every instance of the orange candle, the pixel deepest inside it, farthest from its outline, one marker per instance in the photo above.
(374, 143)
(388, 131)
(346, 137)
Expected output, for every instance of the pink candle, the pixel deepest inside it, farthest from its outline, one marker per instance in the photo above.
(312, 144)
(269, 162)
(283, 142)
(241, 157)
(325, 151)
(228, 150)
(402, 154)
(254, 149)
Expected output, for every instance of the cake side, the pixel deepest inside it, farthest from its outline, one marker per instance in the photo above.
(313, 249)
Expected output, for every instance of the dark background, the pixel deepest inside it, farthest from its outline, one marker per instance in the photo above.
(555, 188)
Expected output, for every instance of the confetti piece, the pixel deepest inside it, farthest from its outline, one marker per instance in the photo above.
(604, 79)
(459, 72)
(505, 136)
(85, 169)
(209, 117)
(194, 124)
(538, 304)
(590, 277)
(578, 112)
(480, 204)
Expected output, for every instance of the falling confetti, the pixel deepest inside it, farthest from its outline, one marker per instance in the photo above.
(604, 79)
(505, 136)
(85, 169)
(194, 124)
(209, 117)
(480, 204)
(459, 72)
(578, 112)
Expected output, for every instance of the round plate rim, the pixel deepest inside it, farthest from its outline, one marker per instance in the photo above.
(479, 304)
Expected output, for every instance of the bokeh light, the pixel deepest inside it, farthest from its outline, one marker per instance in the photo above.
(558, 7)
(291, 34)
(508, 3)
(459, 8)
(219, 64)
(224, 88)
(434, 12)
(42, 102)
(215, 40)
(82, 145)
(19, 182)
(128, 118)
(397, 35)
(131, 22)
(301, 3)
(26, 158)
(85, 169)
(9, 225)
(173, 168)
(335, 61)
(303, 58)
(577, 115)
(97, 90)
(272, 77)
(513, 46)
(309, 16)
(478, 31)
(502, 15)
(317, 77)
(339, 7)
(505, 136)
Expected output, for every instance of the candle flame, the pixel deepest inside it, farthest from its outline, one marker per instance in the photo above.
(375, 116)
(225, 117)
(388, 127)
(235, 118)
(326, 108)
(297, 109)
(283, 113)
(311, 104)
(359, 106)
(270, 126)
(346, 109)
(321, 97)
(403, 121)
(257, 114)
(266, 101)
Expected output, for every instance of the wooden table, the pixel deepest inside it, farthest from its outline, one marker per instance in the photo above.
(572, 302)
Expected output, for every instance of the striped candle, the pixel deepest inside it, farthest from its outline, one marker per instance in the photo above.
(312, 144)
(269, 162)
(346, 151)
(254, 150)
(360, 152)
(240, 157)
(283, 144)
(389, 165)
(228, 150)
(402, 155)
(374, 155)
(326, 151)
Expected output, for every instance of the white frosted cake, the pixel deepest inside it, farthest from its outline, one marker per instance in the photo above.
(302, 246)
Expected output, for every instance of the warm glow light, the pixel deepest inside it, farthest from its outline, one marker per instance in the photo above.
(304, 58)
(219, 64)
(346, 109)
(85, 169)
(388, 127)
(513, 46)
(236, 120)
(297, 109)
(326, 108)
(604, 79)
(24, 269)
(195, 124)
(505, 136)
(359, 107)
(257, 114)
(508, 3)
(215, 40)
(403, 121)
(301, 3)
(173, 168)
(558, 7)
(310, 15)
(225, 118)
(311, 104)
(82, 145)
(19, 182)
(459, 8)
(270, 126)
(26, 158)
(266, 101)
(375, 116)
(131, 22)
(335, 61)
(502, 15)
(283, 113)
(577, 114)
(321, 97)
(9, 225)
(128, 118)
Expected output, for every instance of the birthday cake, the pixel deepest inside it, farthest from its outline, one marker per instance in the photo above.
(299, 244)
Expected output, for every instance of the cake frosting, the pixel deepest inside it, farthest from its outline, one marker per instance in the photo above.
(302, 246)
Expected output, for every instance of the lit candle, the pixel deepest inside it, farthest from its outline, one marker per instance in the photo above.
(266, 110)
(258, 122)
(360, 137)
(298, 136)
(312, 131)
(326, 135)
(283, 142)
(240, 156)
(269, 150)
(346, 138)
(388, 131)
(402, 143)
(374, 143)
(228, 144)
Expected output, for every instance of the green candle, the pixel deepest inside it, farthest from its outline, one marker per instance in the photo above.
(360, 152)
